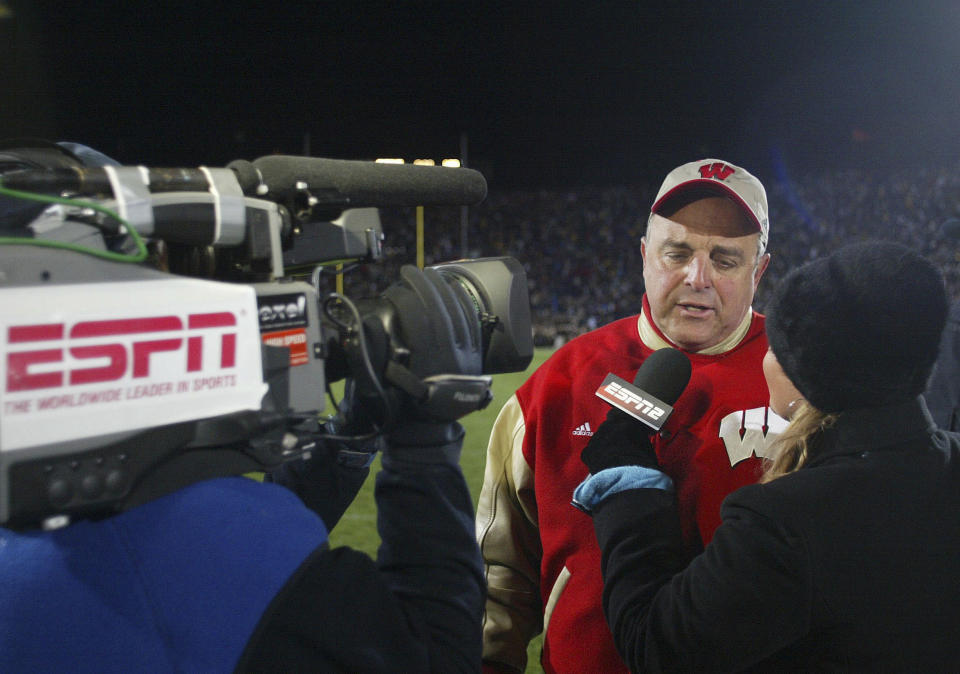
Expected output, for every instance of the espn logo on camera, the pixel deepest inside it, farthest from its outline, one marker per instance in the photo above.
(637, 403)
(89, 359)
(112, 350)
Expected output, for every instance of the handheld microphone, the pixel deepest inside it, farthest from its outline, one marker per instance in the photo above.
(656, 387)
(620, 441)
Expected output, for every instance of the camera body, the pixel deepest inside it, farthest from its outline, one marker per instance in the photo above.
(121, 382)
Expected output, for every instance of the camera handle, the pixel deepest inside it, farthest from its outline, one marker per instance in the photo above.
(444, 397)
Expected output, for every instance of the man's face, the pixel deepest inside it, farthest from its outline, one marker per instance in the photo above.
(701, 270)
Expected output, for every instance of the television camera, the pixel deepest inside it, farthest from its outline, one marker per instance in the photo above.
(162, 326)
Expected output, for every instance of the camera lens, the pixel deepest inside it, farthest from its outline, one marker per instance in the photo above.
(496, 289)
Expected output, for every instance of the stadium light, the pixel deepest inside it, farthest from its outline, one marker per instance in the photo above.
(452, 163)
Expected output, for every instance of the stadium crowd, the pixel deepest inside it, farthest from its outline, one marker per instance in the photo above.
(581, 249)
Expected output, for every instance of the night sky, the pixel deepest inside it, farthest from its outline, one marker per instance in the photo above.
(544, 93)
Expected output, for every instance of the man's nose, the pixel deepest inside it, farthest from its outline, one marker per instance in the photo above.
(698, 273)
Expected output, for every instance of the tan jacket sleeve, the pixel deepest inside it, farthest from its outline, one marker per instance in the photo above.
(510, 543)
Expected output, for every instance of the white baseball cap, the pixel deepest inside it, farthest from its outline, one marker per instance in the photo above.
(727, 180)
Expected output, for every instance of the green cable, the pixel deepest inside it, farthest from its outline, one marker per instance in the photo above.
(140, 256)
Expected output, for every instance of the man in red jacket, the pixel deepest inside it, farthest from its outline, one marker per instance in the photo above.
(704, 253)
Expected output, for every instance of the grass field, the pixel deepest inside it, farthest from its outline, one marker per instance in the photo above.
(358, 527)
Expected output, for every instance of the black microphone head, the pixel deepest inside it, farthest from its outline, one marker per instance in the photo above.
(664, 374)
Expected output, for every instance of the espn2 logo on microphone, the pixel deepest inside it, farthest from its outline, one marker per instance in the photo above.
(637, 403)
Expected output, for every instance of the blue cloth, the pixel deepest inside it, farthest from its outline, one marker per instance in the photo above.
(610, 481)
(177, 584)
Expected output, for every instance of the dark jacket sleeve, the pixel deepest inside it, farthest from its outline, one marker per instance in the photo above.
(328, 481)
(416, 609)
(744, 598)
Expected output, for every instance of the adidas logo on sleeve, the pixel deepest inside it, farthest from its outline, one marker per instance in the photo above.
(583, 429)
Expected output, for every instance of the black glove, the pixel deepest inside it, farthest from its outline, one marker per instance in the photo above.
(621, 440)
(437, 324)
(434, 373)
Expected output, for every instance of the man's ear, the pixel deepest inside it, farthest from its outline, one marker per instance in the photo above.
(762, 265)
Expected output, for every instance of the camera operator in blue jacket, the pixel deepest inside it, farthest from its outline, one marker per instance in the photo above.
(230, 574)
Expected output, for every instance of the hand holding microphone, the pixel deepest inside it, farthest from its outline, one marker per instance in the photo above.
(638, 410)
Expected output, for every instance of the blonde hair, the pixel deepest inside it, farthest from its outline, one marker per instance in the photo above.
(792, 449)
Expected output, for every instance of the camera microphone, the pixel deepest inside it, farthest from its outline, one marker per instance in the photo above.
(363, 183)
(340, 183)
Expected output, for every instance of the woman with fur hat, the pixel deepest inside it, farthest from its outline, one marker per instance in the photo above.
(845, 556)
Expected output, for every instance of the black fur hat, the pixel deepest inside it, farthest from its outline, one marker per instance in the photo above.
(859, 327)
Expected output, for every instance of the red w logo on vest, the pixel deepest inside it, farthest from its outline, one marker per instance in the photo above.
(716, 170)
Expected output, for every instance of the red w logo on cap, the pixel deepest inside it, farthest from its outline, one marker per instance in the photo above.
(715, 170)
